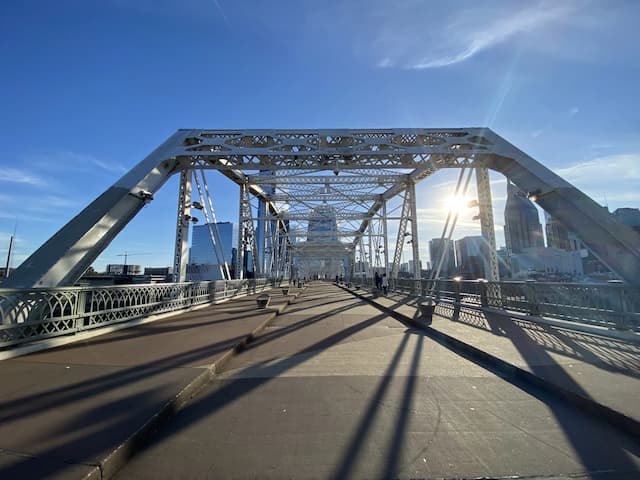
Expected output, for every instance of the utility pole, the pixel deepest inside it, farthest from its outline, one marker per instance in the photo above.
(6, 269)
(10, 252)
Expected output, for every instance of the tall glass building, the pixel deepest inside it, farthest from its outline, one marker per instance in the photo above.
(203, 264)
(323, 225)
(436, 247)
(522, 228)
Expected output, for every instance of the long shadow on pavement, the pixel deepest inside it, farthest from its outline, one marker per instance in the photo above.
(231, 389)
(122, 413)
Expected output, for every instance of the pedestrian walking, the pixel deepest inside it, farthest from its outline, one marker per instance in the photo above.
(385, 283)
(377, 280)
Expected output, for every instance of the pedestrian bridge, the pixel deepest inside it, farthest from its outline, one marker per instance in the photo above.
(327, 381)
(194, 380)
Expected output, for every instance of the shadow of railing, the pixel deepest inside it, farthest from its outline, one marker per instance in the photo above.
(604, 352)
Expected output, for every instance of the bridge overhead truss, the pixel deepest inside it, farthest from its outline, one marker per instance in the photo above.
(339, 180)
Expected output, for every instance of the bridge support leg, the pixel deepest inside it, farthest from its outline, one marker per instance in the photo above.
(415, 244)
(385, 239)
(181, 250)
(246, 235)
(487, 228)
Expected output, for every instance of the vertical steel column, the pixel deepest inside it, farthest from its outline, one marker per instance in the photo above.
(181, 249)
(402, 230)
(239, 273)
(261, 233)
(385, 239)
(414, 231)
(370, 232)
(491, 269)
(246, 233)
(415, 244)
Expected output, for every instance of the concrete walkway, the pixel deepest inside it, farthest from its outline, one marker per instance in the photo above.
(71, 412)
(602, 370)
(335, 388)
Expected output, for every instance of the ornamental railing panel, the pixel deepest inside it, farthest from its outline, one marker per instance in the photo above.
(35, 314)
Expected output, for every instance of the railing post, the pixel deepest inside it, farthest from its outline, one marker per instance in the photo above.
(456, 290)
(81, 306)
(619, 316)
(482, 285)
(532, 297)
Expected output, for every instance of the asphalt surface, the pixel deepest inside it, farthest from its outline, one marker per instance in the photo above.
(334, 388)
(600, 369)
(63, 411)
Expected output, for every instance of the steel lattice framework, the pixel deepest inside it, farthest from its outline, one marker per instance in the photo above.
(294, 175)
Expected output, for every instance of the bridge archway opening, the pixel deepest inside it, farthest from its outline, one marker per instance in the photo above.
(337, 183)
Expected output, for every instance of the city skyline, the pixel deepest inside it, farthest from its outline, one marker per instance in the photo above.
(530, 74)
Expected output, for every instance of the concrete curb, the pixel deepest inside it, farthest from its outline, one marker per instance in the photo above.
(616, 419)
(122, 453)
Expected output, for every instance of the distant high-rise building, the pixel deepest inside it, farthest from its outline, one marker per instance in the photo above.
(322, 231)
(557, 234)
(471, 255)
(522, 228)
(629, 216)
(412, 266)
(203, 263)
(436, 246)
(323, 225)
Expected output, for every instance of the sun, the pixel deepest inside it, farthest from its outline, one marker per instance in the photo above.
(456, 203)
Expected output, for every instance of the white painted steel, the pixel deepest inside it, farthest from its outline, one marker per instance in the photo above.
(372, 166)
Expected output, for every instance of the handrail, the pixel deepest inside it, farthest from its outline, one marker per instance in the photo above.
(37, 313)
(608, 305)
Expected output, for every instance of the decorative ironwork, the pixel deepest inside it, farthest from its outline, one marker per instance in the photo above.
(28, 315)
(604, 305)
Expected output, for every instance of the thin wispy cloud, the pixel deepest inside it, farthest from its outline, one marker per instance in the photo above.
(604, 170)
(16, 175)
(68, 161)
(448, 41)
(608, 179)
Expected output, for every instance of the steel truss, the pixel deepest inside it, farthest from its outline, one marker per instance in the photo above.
(338, 180)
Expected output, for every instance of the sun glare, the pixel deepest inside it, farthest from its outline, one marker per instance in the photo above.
(456, 204)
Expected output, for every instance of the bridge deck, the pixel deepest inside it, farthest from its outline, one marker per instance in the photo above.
(332, 387)
(605, 370)
(336, 389)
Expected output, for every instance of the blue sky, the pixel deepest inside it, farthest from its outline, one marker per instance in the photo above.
(89, 88)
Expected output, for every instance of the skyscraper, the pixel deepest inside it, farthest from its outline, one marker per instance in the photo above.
(557, 234)
(322, 232)
(522, 228)
(203, 263)
(472, 253)
(436, 246)
(629, 216)
(323, 225)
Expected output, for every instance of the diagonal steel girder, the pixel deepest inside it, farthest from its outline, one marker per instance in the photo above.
(66, 255)
(418, 174)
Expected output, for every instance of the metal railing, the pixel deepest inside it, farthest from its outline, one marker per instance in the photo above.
(608, 305)
(34, 314)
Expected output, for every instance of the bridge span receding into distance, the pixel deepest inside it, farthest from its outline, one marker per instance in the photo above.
(331, 380)
(326, 382)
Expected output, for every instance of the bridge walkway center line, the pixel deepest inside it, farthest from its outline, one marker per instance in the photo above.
(334, 388)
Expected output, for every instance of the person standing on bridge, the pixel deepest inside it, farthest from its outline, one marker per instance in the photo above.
(385, 283)
(378, 280)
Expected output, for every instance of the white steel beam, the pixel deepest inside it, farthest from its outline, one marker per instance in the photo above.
(181, 250)
(345, 153)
